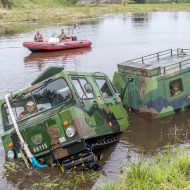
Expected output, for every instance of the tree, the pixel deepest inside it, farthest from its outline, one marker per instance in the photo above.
(6, 3)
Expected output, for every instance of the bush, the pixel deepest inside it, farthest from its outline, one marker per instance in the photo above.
(6, 3)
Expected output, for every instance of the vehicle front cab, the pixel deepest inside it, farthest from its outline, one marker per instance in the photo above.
(69, 110)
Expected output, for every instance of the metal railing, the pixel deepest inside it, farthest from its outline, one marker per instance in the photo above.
(170, 52)
(181, 51)
(179, 65)
(152, 56)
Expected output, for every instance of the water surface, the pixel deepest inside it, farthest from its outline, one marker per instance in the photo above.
(115, 38)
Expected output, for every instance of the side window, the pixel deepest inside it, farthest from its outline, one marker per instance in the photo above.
(18, 106)
(79, 84)
(176, 87)
(104, 87)
(6, 115)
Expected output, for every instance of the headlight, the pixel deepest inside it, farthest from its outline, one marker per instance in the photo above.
(10, 154)
(70, 132)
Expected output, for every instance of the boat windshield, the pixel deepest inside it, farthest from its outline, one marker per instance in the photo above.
(38, 100)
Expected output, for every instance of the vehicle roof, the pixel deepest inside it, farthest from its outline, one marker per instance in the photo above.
(159, 63)
(54, 70)
(49, 72)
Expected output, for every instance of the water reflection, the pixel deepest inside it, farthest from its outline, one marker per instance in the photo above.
(161, 132)
(145, 137)
(56, 58)
(140, 19)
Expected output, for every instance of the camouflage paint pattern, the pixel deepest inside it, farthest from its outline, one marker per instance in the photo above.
(91, 117)
(149, 81)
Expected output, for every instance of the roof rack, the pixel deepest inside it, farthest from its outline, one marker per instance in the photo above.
(157, 55)
(151, 62)
(178, 65)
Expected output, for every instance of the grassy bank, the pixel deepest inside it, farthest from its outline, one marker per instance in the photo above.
(169, 171)
(48, 11)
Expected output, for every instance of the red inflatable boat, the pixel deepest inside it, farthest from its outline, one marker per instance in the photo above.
(55, 46)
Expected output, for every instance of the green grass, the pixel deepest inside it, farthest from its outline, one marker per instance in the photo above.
(69, 180)
(49, 178)
(48, 11)
(167, 171)
(11, 167)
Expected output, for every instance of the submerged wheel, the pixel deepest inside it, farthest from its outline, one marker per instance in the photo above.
(80, 161)
(103, 143)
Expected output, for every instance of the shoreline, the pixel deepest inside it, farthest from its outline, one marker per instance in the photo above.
(68, 14)
(166, 170)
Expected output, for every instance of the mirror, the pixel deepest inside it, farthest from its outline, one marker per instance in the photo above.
(117, 97)
(88, 88)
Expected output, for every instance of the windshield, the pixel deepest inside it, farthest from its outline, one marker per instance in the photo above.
(41, 99)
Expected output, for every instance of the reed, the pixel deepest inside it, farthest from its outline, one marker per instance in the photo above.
(167, 171)
(11, 167)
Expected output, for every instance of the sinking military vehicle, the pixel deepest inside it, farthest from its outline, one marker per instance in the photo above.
(155, 85)
(63, 117)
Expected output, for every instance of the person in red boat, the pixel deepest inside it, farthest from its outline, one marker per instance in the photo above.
(76, 26)
(38, 37)
(62, 36)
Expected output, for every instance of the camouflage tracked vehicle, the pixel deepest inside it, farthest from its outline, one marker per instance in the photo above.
(155, 85)
(62, 117)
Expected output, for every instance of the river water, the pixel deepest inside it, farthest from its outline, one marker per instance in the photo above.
(115, 38)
